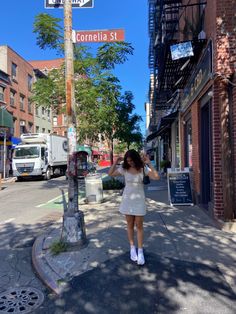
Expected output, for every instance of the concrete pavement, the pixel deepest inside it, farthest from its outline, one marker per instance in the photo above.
(190, 263)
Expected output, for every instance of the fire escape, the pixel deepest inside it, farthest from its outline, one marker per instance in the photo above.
(172, 22)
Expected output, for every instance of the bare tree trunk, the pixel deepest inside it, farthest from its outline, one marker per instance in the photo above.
(227, 153)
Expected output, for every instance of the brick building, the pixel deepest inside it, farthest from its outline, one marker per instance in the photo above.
(193, 59)
(18, 91)
(59, 122)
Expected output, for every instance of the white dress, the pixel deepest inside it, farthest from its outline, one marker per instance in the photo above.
(133, 197)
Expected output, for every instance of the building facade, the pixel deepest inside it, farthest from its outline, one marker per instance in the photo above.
(59, 122)
(193, 58)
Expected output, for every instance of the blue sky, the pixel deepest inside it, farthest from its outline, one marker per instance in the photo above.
(16, 24)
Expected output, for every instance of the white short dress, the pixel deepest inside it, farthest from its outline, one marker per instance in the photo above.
(133, 197)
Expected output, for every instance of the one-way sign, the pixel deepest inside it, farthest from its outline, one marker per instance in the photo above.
(51, 4)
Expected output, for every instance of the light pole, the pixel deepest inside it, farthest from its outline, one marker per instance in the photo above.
(4, 142)
(73, 231)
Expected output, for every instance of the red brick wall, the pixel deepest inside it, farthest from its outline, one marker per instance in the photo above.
(195, 140)
(20, 86)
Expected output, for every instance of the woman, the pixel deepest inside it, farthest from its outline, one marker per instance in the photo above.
(133, 204)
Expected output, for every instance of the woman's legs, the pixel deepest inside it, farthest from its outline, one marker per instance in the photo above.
(139, 226)
(130, 231)
(130, 228)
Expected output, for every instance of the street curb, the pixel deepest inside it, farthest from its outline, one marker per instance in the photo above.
(42, 268)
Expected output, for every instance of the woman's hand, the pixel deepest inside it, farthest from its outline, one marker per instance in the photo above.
(146, 160)
(118, 160)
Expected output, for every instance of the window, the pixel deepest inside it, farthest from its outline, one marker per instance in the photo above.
(49, 131)
(43, 130)
(30, 126)
(30, 82)
(14, 71)
(55, 121)
(36, 111)
(2, 93)
(49, 114)
(22, 127)
(12, 98)
(37, 129)
(188, 144)
(29, 107)
(64, 119)
(43, 112)
(22, 100)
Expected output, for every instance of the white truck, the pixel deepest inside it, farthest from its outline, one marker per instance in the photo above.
(38, 155)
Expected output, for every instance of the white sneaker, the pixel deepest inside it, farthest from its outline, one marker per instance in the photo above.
(133, 254)
(141, 259)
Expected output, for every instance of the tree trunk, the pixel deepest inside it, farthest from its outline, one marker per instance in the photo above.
(111, 151)
(227, 153)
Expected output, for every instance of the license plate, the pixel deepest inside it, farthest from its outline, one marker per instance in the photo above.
(24, 174)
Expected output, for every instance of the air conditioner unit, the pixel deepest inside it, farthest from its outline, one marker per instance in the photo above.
(22, 123)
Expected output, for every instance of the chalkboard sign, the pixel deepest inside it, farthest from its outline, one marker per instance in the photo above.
(179, 188)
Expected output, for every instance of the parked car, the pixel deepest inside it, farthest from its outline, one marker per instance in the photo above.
(83, 169)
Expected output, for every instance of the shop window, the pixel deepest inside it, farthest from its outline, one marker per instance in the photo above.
(188, 144)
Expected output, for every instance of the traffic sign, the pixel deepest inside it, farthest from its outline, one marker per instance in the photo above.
(77, 4)
(98, 36)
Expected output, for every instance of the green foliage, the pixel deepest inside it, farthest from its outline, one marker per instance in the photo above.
(58, 247)
(49, 32)
(111, 54)
(164, 164)
(112, 184)
(100, 106)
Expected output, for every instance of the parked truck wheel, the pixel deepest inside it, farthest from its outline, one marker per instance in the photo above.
(47, 175)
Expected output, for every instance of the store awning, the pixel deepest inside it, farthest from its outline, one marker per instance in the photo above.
(96, 152)
(164, 124)
(6, 119)
(82, 148)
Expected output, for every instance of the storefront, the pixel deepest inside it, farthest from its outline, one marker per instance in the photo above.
(6, 130)
(196, 129)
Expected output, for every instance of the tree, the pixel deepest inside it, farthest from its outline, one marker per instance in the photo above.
(128, 129)
(97, 90)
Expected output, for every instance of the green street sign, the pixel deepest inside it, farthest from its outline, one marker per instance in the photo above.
(77, 4)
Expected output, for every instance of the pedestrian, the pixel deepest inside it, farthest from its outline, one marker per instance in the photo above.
(133, 204)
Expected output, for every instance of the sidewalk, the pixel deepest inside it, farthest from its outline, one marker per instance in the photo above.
(190, 263)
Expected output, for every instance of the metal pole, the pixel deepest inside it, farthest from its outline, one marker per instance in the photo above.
(73, 219)
(4, 154)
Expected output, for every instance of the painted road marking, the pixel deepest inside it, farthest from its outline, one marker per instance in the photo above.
(51, 201)
(7, 221)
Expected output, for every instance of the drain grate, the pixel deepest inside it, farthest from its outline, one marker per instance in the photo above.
(20, 300)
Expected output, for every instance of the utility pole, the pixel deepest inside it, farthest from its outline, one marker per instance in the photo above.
(73, 231)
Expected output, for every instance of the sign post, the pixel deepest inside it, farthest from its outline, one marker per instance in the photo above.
(73, 231)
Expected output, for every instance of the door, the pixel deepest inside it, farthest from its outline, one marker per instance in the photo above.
(206, 155)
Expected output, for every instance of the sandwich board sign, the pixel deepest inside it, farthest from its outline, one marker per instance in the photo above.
(179, 188)
(77, 4)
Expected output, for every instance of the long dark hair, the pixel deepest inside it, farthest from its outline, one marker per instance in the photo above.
(136, 158)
